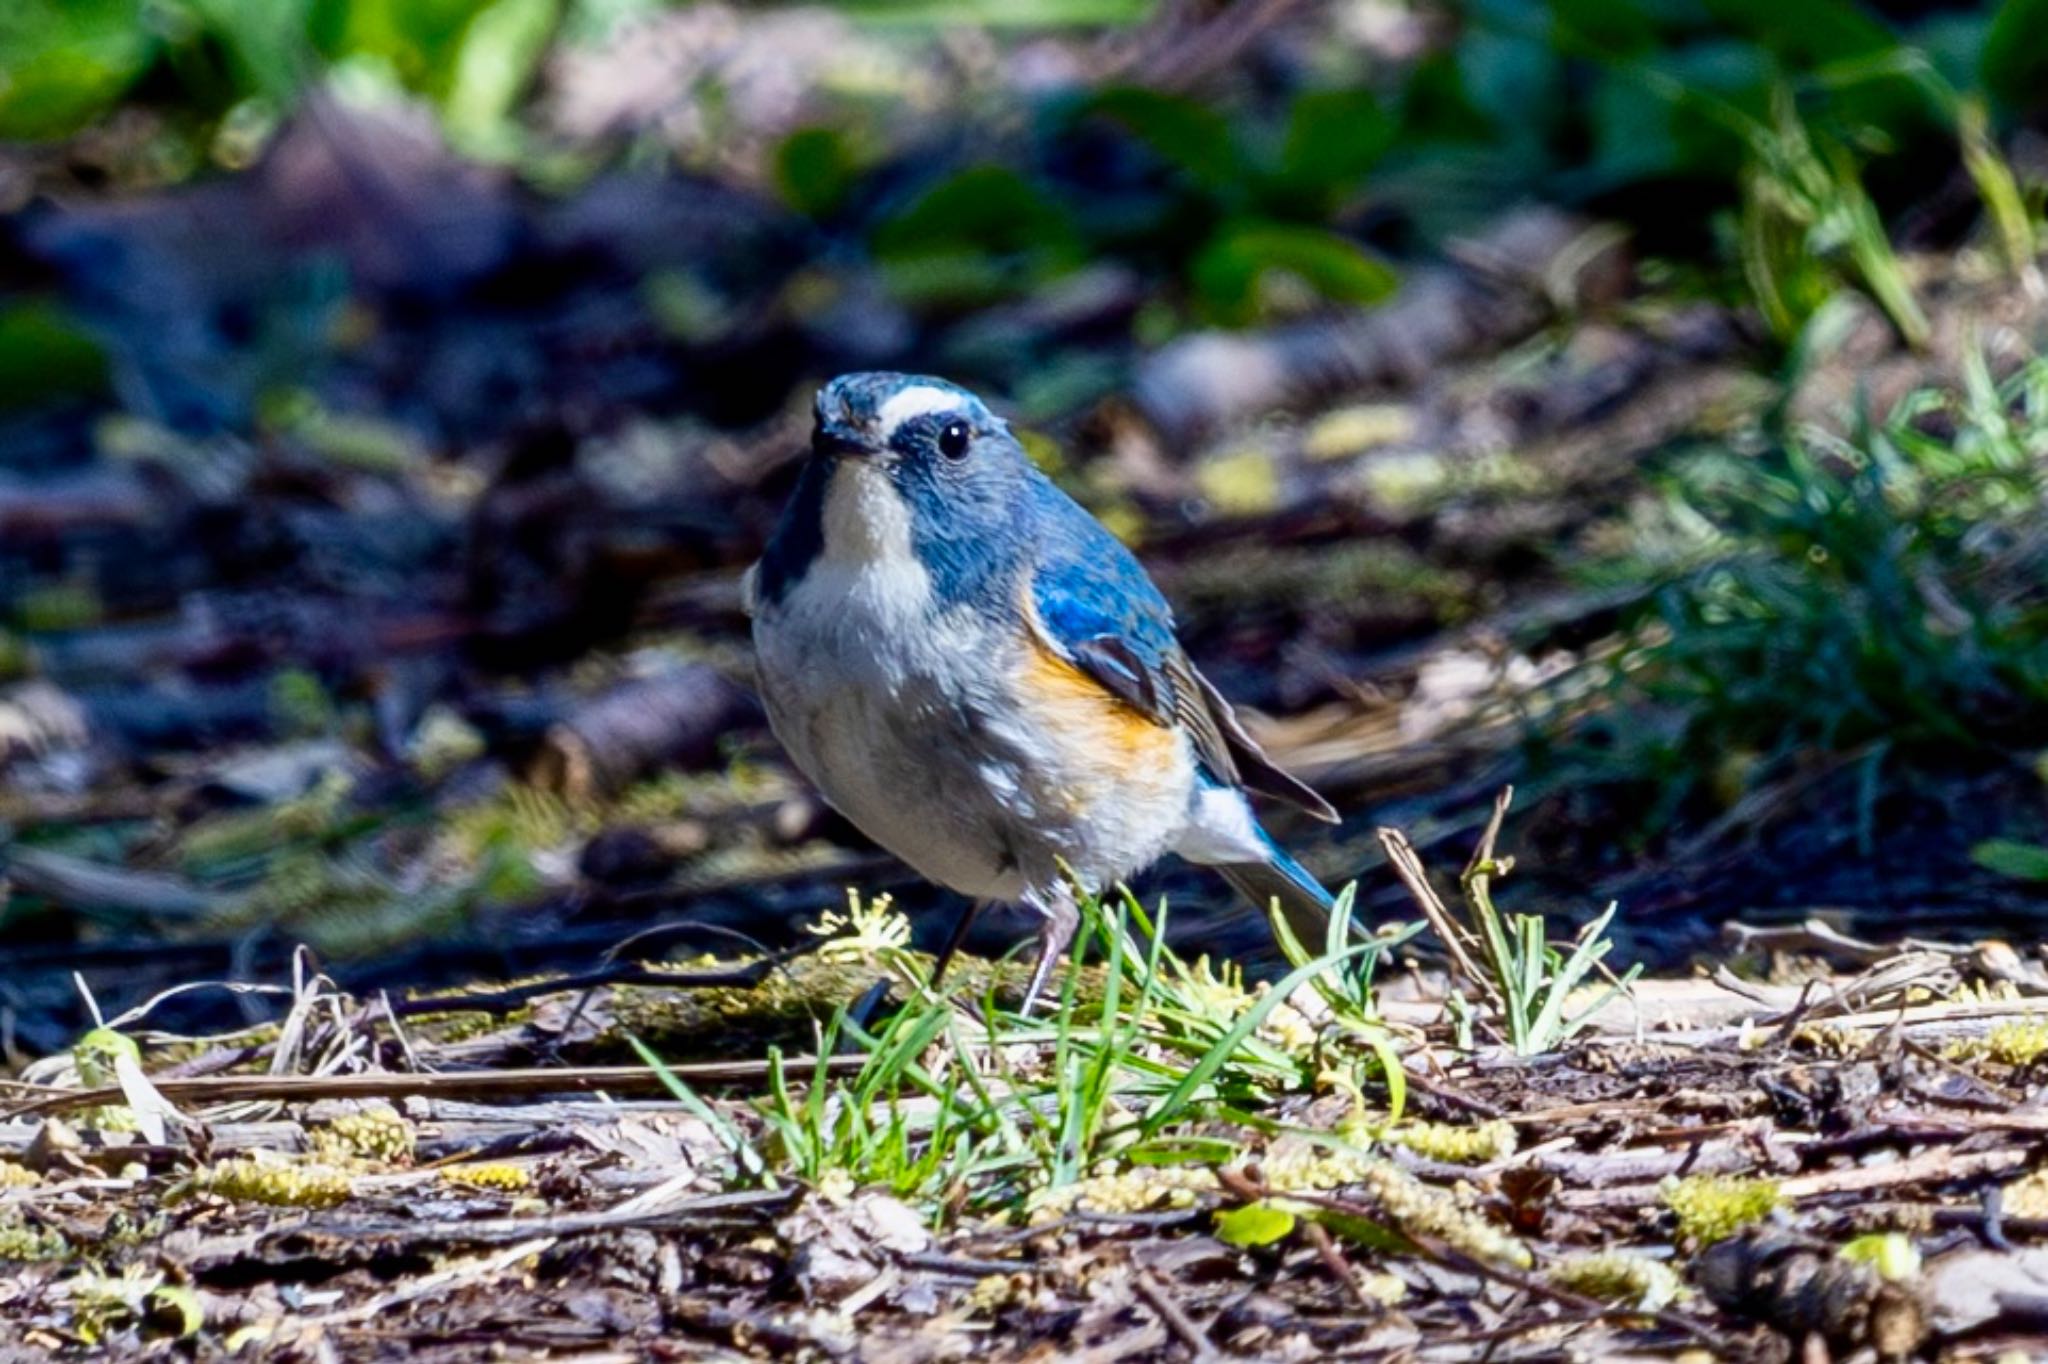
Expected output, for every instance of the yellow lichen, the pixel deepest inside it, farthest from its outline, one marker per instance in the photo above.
(1418, 1209)
(108, 1118)
(494, 1175)
(1825, 1039)
(1915, 1219)
(1713, 1208)
(1348, 431)
(20, 1241)
(521, 817)
(658, 800)
(1299, 1166)
(379, 1133)
(1618, 1277)
(1407, 1204)
(1989, 991)
(2015, 1042)
(1240, 482)
(993, 1292)
(14, 1176)
(123, 1231)
(274, 1183)
(1444, 1141)
(2027, 1196)
(1142, 1188)
(1386, 1289)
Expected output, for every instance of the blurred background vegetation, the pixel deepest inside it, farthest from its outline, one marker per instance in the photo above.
(1636, 399)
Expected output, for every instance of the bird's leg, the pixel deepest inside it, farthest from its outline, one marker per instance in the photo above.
(953, 941)
(1059, 916)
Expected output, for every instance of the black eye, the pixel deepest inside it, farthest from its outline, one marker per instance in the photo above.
(953, 440)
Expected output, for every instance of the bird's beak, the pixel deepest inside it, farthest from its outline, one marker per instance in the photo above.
(837, 438)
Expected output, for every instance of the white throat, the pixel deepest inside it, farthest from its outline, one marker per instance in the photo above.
(866, 542)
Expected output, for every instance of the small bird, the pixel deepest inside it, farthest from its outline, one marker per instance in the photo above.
(979, 676)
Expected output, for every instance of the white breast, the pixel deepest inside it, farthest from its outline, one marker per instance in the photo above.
(866, 681)
(908, 719)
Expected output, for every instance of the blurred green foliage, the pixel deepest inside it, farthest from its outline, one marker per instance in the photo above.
(42, 355)
(981, 233)
(66, 60)
(1799, 126)
(1250, 210)
(1880, 592)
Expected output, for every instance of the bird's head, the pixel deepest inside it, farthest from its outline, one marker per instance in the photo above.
(916, 461)
(909, 423)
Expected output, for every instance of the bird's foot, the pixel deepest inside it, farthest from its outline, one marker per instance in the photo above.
(1059, 916)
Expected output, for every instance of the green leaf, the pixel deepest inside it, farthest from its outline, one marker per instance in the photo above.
(419, 39)
(1240, 259)
(1651, 117)
(1254, 1224)
(980, 235)
(1333, 138)
(500, 50)
(729, 1136)
(990, 208)
(175, 1309)
(1806, 33)
(2021, 861)
(1437, 106)
(1517, 79)
(998, 13)
(1891, 1253)
(1361, 1231)
(63, 61)
(1173, 1105)
(1606, 28)
(265, 42)
(1190, 136)
(2015, 62)
(814, 168)
(44, 356)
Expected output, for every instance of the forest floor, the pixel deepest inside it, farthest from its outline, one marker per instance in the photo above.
(1847, 1168)
(415, 946)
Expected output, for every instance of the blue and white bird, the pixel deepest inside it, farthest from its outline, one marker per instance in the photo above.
(981, 677)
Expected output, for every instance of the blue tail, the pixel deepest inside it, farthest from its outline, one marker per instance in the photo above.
(1303, 902)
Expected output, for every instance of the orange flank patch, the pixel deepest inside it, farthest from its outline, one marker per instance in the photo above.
(1105, 748)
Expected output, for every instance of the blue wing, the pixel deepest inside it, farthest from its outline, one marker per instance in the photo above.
(1095, 605)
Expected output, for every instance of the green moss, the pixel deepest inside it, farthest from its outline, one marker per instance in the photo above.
(1713, 1208)
(1459, 1145)
(22, 1242)
(274, 1184)
(1142, 1188)
(377, 1133)
(497, 1176)
(1405, 1203)
(300, 704)
(1389, 576)
(456, 1025)
(58, 606)
(98, 1054)
(523, 818)
(2016, 1042)
(1618, 1277)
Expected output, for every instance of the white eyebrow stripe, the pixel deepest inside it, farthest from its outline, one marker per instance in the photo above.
(912, 403)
